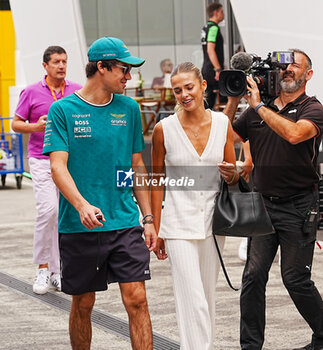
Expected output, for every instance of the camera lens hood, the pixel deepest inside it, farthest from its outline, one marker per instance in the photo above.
(233, 82)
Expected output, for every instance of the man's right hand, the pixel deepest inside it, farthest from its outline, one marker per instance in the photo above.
(40, 126)
(253, 95)
(88, 216)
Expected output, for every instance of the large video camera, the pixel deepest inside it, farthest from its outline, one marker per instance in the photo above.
(266, 73)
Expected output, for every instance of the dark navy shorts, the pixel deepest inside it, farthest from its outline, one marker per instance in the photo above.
(91, 260)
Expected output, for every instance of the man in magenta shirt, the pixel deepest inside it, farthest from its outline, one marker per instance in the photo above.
(33, 106)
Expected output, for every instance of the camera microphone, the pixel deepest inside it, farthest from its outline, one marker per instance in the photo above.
(241, 61)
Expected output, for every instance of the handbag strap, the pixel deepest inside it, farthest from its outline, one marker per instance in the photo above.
(240, 152)
(223, 267)
(243, 185)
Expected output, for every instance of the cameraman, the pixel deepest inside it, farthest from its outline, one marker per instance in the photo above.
(284, 139)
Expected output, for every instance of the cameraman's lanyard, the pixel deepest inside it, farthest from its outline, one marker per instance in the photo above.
(52, 90)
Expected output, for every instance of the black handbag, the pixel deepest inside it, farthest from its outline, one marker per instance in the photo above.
(239, 214)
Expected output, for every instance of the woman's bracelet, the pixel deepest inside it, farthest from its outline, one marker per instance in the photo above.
(233, 177)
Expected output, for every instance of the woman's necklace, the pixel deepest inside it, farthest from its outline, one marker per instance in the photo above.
(195, 133)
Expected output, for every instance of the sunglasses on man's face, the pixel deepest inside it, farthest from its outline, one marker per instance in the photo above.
(126, 69)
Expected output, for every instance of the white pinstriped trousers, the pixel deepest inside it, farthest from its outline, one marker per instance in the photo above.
(195, 268)
(46, 226)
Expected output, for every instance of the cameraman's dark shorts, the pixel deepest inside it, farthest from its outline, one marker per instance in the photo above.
(89, 261)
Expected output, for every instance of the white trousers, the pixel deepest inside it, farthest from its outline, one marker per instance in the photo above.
(46, 226)
(195, 268)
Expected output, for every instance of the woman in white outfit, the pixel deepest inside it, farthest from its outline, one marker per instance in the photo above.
(199, 142)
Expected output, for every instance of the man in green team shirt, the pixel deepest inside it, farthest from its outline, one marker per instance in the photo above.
(89, 136)
(212, 45)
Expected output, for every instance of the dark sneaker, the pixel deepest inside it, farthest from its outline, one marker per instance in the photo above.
(307, 347)
(311, 347)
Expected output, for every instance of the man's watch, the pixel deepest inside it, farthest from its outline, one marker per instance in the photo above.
(148, 219)
(260, 104)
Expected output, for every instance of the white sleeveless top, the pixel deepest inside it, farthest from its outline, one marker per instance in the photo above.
(187, 214)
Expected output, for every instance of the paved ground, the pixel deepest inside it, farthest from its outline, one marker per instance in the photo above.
(27, 323)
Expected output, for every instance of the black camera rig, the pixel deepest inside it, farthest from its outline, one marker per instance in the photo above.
(266, 73)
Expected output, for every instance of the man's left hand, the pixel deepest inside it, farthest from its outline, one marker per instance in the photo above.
(150, 236)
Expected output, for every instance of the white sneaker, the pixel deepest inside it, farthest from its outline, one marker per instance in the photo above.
(55, 280)
(41, 283)
(243, 249)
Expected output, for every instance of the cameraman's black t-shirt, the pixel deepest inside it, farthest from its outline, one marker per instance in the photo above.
(280, 168)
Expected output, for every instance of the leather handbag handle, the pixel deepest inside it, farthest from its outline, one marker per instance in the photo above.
(243, 185)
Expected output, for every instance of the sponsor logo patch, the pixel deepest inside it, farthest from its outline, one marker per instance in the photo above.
(82, 129)
(117, 115)
(117, 120)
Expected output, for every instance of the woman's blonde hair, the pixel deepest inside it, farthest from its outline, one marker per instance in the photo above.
(186, 67)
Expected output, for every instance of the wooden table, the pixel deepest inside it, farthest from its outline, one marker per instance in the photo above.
(152, 102)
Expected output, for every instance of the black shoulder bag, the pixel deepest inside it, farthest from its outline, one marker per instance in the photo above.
(239, 214)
